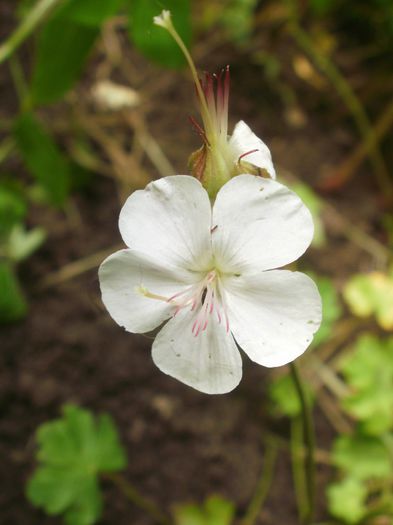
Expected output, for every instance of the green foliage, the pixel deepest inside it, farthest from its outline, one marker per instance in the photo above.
(13, 206)
(43, 158)
(321, 7)
(72, 452)
(62, 49)
(238, 19)
(315, 205)
(153, 41)
(90, 12)
(368, 370)
(331, 309)
(13, 305)
(214, 511)
(346, 500)
(361, 457)
(21, 243)
(372, 293)
(283, 394)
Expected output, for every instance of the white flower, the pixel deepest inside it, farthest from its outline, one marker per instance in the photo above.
(209, 272)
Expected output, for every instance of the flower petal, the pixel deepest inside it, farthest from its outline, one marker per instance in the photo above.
(209, 362)
(244, 140)
(169, 221)
(258, 224)
(273, 315)
(124, 276)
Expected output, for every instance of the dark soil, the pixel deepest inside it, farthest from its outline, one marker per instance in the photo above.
(182, 445)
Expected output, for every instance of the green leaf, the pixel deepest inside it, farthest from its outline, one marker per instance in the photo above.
(13, 206)
(214, 511)
(362, 457)
(372, 293)
(43, 158)
(72, 452)
(62, 49)
(90, 12)
(368, 370)
(347, 500)
(315, 204)
(155, 42)
(283, 393)
(331, 308)
(321, 7)
(13, 305)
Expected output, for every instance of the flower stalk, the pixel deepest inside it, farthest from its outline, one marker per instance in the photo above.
(309, 442)
(221, 156)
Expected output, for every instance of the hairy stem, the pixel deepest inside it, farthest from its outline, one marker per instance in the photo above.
(309, 441)
(262, 488)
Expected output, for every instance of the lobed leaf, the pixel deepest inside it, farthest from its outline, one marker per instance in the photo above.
(72, 452)
(361, 457)
(368, 370)
(347, 500)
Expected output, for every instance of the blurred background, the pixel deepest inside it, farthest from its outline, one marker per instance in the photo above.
(94, 103)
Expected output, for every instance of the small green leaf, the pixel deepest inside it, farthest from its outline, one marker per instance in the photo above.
(347, 500)
(214, 511)
(361, 457)
(72, 452)
(372, 293)
(368, 370)
(331, 308)
(283, 393)
(315, 204)
(43, 158)
(13, 305)
(155, 42)
(62, 50)
(90, 12)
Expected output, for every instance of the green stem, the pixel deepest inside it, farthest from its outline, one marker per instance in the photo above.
(262, 489)
(299, 479)
(133, 495)
(27, 26)
(309, 441)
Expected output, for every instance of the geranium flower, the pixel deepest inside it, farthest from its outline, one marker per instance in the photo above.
(209, 272)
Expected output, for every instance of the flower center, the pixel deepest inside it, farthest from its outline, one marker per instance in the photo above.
(205, 297)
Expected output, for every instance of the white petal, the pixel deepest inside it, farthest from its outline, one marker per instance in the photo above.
(258, 224)
(209, 362)
(273, 315)
(123, 277)
(244, 140)
(169, 221)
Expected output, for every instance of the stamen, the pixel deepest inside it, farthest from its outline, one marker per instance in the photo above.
(207, 296)
(199, 130)
(245, 154)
